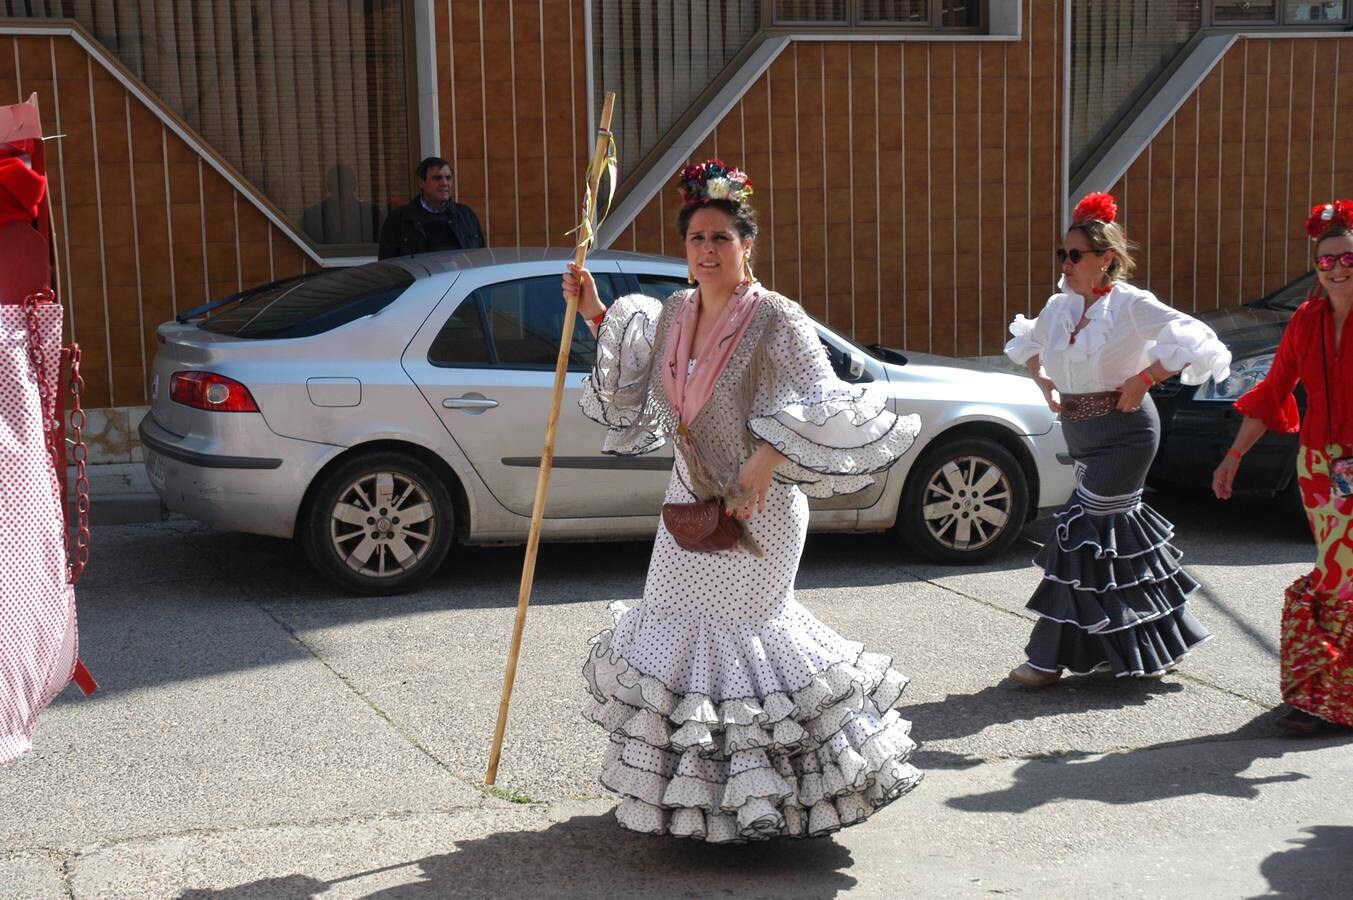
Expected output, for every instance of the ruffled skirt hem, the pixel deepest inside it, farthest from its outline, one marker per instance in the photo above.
(800, 763)
(1113, 596)
(1147, 650)
(1317, 671)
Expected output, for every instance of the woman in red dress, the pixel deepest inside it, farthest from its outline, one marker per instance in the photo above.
(1317, 623)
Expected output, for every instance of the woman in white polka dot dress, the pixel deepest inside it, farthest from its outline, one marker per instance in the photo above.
(735, 714)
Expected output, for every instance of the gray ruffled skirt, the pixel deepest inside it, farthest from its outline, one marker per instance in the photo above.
(1114, 593)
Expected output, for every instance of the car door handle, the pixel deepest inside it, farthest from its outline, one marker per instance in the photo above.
(469, 401)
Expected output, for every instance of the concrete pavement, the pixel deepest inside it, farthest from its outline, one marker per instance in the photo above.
(260, 735)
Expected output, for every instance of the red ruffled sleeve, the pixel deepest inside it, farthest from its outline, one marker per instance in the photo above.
(1271, 400)
(1278, 412)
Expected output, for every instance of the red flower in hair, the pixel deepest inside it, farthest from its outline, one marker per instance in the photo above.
(1325, 216)
(1096, 207)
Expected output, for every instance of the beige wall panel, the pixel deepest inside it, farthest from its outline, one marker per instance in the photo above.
(513, 114)
(1259, 134)
(869, 161)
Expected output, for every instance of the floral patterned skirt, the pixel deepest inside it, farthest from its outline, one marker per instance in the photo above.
(1317, 629)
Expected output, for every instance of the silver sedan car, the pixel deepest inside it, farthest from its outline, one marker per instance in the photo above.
(382, 413)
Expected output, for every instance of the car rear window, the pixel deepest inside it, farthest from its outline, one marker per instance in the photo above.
(312, 306)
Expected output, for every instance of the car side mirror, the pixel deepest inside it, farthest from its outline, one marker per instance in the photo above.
(856, 364)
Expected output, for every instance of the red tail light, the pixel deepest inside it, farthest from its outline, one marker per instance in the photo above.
(207, 390)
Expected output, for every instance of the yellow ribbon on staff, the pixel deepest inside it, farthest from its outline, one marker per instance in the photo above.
(587, 229)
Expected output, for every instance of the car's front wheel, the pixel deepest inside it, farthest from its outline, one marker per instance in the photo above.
(378, 523)
(965, 501)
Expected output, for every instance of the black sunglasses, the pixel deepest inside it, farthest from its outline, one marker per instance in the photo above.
(1074, 255)
(1326, 262)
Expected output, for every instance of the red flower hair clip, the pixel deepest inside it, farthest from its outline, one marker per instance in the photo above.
(1098, 207)
(1325, 216)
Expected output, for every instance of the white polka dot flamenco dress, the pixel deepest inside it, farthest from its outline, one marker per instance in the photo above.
(733, 713)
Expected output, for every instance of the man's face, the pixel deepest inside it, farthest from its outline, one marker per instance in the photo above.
(436, 187)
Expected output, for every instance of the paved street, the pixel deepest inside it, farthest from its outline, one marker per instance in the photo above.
(259, 735)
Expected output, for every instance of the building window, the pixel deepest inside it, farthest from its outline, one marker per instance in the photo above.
(1316, 13)
(1296, 13)
(958, 14)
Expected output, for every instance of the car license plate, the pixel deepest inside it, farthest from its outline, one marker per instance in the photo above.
(154, 468)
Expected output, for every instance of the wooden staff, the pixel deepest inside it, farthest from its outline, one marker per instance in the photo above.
(600, 163)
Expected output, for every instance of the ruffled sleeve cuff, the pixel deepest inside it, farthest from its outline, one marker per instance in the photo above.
(1023, 346)
(1278, 413)
(615, 394)
(1189, 347)
(836, 437)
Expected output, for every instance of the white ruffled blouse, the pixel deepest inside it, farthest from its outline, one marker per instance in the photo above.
(1128, 330)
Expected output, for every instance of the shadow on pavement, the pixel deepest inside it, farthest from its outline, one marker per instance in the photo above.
(1320, 864)
(1156, 772)
(590, 856)
(1238, 529)
(962, 715)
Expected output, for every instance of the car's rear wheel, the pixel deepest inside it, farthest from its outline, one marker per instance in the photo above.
(965, 501)
(379, 523)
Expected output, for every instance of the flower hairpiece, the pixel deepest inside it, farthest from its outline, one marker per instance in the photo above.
(1325, 216)
(712, 180)
(1096, 207)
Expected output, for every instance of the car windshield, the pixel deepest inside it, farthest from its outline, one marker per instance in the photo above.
(293, 309)
(1291, 295)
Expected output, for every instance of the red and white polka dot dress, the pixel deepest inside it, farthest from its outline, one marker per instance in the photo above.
(37, 605)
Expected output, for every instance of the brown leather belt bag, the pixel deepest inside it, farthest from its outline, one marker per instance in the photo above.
(701, 526)
(1076, 407)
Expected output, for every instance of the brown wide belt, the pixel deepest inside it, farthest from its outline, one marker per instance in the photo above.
(1086, 406)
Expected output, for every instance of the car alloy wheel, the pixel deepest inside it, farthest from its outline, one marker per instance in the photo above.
(379, 523)
(382, 525)
(965, 501)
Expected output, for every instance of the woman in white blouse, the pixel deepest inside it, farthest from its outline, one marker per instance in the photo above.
(1113, 595)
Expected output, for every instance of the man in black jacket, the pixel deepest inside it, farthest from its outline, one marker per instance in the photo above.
(433, 221)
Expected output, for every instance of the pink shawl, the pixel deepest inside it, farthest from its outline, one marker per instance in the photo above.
(689, 388)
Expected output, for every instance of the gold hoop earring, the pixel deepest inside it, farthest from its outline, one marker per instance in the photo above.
(690, 277)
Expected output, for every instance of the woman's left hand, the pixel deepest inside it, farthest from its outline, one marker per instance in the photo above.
(1130, 394)
(754, 479)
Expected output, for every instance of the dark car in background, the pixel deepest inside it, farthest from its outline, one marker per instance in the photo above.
(1199, 423)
